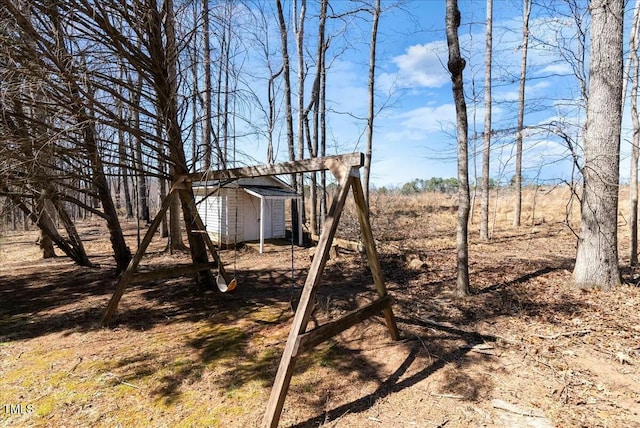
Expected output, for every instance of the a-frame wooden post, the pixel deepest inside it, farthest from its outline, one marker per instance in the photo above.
(299, 339)
(130, 276)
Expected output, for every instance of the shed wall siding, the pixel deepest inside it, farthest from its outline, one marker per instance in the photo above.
(231, 214)
(234, 216)
(209, 211)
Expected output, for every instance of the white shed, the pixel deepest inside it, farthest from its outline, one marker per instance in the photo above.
(245, 209)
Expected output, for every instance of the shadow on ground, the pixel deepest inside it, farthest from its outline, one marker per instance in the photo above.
(67, 298)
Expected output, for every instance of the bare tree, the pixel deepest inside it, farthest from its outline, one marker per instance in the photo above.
(299, 27)
(486, 150)
(208, 111)
(73, 74)
(597, 256)
(526, 13)
(315, 135)
(376, 11)
(456, 66)
(635, 143)
(286, 75)
(141, 178)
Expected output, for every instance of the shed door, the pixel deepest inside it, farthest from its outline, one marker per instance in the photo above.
(251, 220)
(277, 218)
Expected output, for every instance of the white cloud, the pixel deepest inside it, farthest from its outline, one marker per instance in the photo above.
(421, 66)
(506, 95)
(429, 119)
(531, 90)
(557, 68)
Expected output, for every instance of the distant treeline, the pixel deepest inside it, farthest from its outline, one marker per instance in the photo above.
(419, 185)
(434, 184)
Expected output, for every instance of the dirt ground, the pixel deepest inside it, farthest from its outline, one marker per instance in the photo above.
(527, 349)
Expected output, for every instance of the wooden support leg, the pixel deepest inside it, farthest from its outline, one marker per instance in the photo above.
(305, 307)
(372, 254)
(135, 261)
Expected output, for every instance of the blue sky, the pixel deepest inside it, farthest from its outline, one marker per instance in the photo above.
(414, 133)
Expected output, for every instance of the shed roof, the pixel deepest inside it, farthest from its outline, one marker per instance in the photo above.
(260, 187)
(270, 192)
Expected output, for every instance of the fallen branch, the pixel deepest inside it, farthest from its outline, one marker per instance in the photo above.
(120, 381)
(565, 334)
(436, 323)
(503, 405)
(128, 384)
(480, 348)
(76, 365)
(455, 396)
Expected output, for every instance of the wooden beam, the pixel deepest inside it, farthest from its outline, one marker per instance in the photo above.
(372, 253)
(171, 272)
(306, 304)
(332, 163)
(326, 331)
(345, 244)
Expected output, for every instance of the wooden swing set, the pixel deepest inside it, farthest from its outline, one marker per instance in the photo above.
(346, 170)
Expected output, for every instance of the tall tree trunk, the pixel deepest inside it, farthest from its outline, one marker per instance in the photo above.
(121, 252)
(456, 65)
(313, 149)
(164, 58)
(635, 144)
(486, 150)
(271, 156)
(162, 166)
(219, 105)
(127, 189)
(123, 162)
(299, 33)
(8, 212)
(474, 147)
(143, 191)
(175, 226)
(208, 112)
(227, 75)
(25, 222)
(194, 90)
(118, 194)
(523, 78)
(44, 241)
(635, 154)
(286, 75)
(46, 245)
(322, 107)
(371, 94)
(597, 256)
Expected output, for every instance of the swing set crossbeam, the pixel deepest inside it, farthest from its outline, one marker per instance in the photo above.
(333, 163)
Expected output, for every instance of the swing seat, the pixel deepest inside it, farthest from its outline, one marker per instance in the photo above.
(223, 286)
